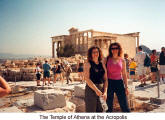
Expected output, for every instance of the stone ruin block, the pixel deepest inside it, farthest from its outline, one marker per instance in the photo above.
(49, 99)
(157, 100)
(27, 70)
(16, 89)
(79, 91)
(130, 82)
(76, 78)
(12, 109)
(70, 107)
(79, 102)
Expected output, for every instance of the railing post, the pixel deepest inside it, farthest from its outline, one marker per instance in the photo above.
(158, 83)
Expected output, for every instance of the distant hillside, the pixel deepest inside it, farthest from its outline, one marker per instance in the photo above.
(146, 49)
(16, 56)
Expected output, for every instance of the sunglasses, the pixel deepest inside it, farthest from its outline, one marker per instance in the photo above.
(115, 48)
(95, 52)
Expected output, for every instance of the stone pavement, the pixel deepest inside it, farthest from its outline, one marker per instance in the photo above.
(144, 94)
(148, 91)
(57, 85)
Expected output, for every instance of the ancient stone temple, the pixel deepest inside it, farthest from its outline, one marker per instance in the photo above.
(82, 40)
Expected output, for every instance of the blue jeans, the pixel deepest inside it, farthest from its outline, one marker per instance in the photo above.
(117, 86)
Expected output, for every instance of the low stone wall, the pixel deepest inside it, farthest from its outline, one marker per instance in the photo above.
(79, 91)
(19, 75)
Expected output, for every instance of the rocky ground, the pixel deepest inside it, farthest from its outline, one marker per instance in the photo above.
(22, 98)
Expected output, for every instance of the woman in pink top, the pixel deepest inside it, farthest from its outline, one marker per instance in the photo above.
(117, 78)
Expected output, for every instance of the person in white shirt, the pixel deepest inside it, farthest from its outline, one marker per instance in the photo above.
(139, 58)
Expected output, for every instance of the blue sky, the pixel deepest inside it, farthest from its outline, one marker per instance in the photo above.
(27, 25)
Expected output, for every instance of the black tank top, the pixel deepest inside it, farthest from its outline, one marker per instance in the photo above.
(97, 73)
(81, 65)
(58, 69)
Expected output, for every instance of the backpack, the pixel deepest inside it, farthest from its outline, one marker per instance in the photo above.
(147, 61)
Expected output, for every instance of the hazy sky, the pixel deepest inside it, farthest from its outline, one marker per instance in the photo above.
(27, 25)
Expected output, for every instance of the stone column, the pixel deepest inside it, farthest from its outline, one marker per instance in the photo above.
(53, 49)
(102, 44)
(91, 40)
(74, 43)
(79, 43)
(76, 37)
(58, 44)
(95, 42)
(83, 45)
(105, 43)
(63, 44)
(87, 40)
(110, 41)
(137, 38)
(100, 41)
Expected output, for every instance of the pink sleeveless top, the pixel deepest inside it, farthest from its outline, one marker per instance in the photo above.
(114, 70)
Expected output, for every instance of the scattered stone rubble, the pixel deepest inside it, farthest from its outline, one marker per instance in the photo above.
(79, 91)
(24, 70)
(68, 100)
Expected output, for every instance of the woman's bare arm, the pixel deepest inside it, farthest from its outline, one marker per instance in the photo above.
(88, 81)
(4, 87)
(124, 74)
(105, 81)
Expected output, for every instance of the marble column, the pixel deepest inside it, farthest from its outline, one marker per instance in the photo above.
(137, 41)
(58, 45)
(83, 43)
(79, 42)
(96, 42)
(100, 41)
(87, 40)
(53, 56)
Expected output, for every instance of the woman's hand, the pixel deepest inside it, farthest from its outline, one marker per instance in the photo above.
(98, 93)
(105, 96)
(126, 91)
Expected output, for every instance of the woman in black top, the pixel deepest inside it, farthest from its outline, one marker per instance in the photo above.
(96, 79)
(58, 72)
(81, 70)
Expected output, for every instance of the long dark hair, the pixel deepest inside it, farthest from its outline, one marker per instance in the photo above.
(153, 51)
(90, 53)
(119, 47)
